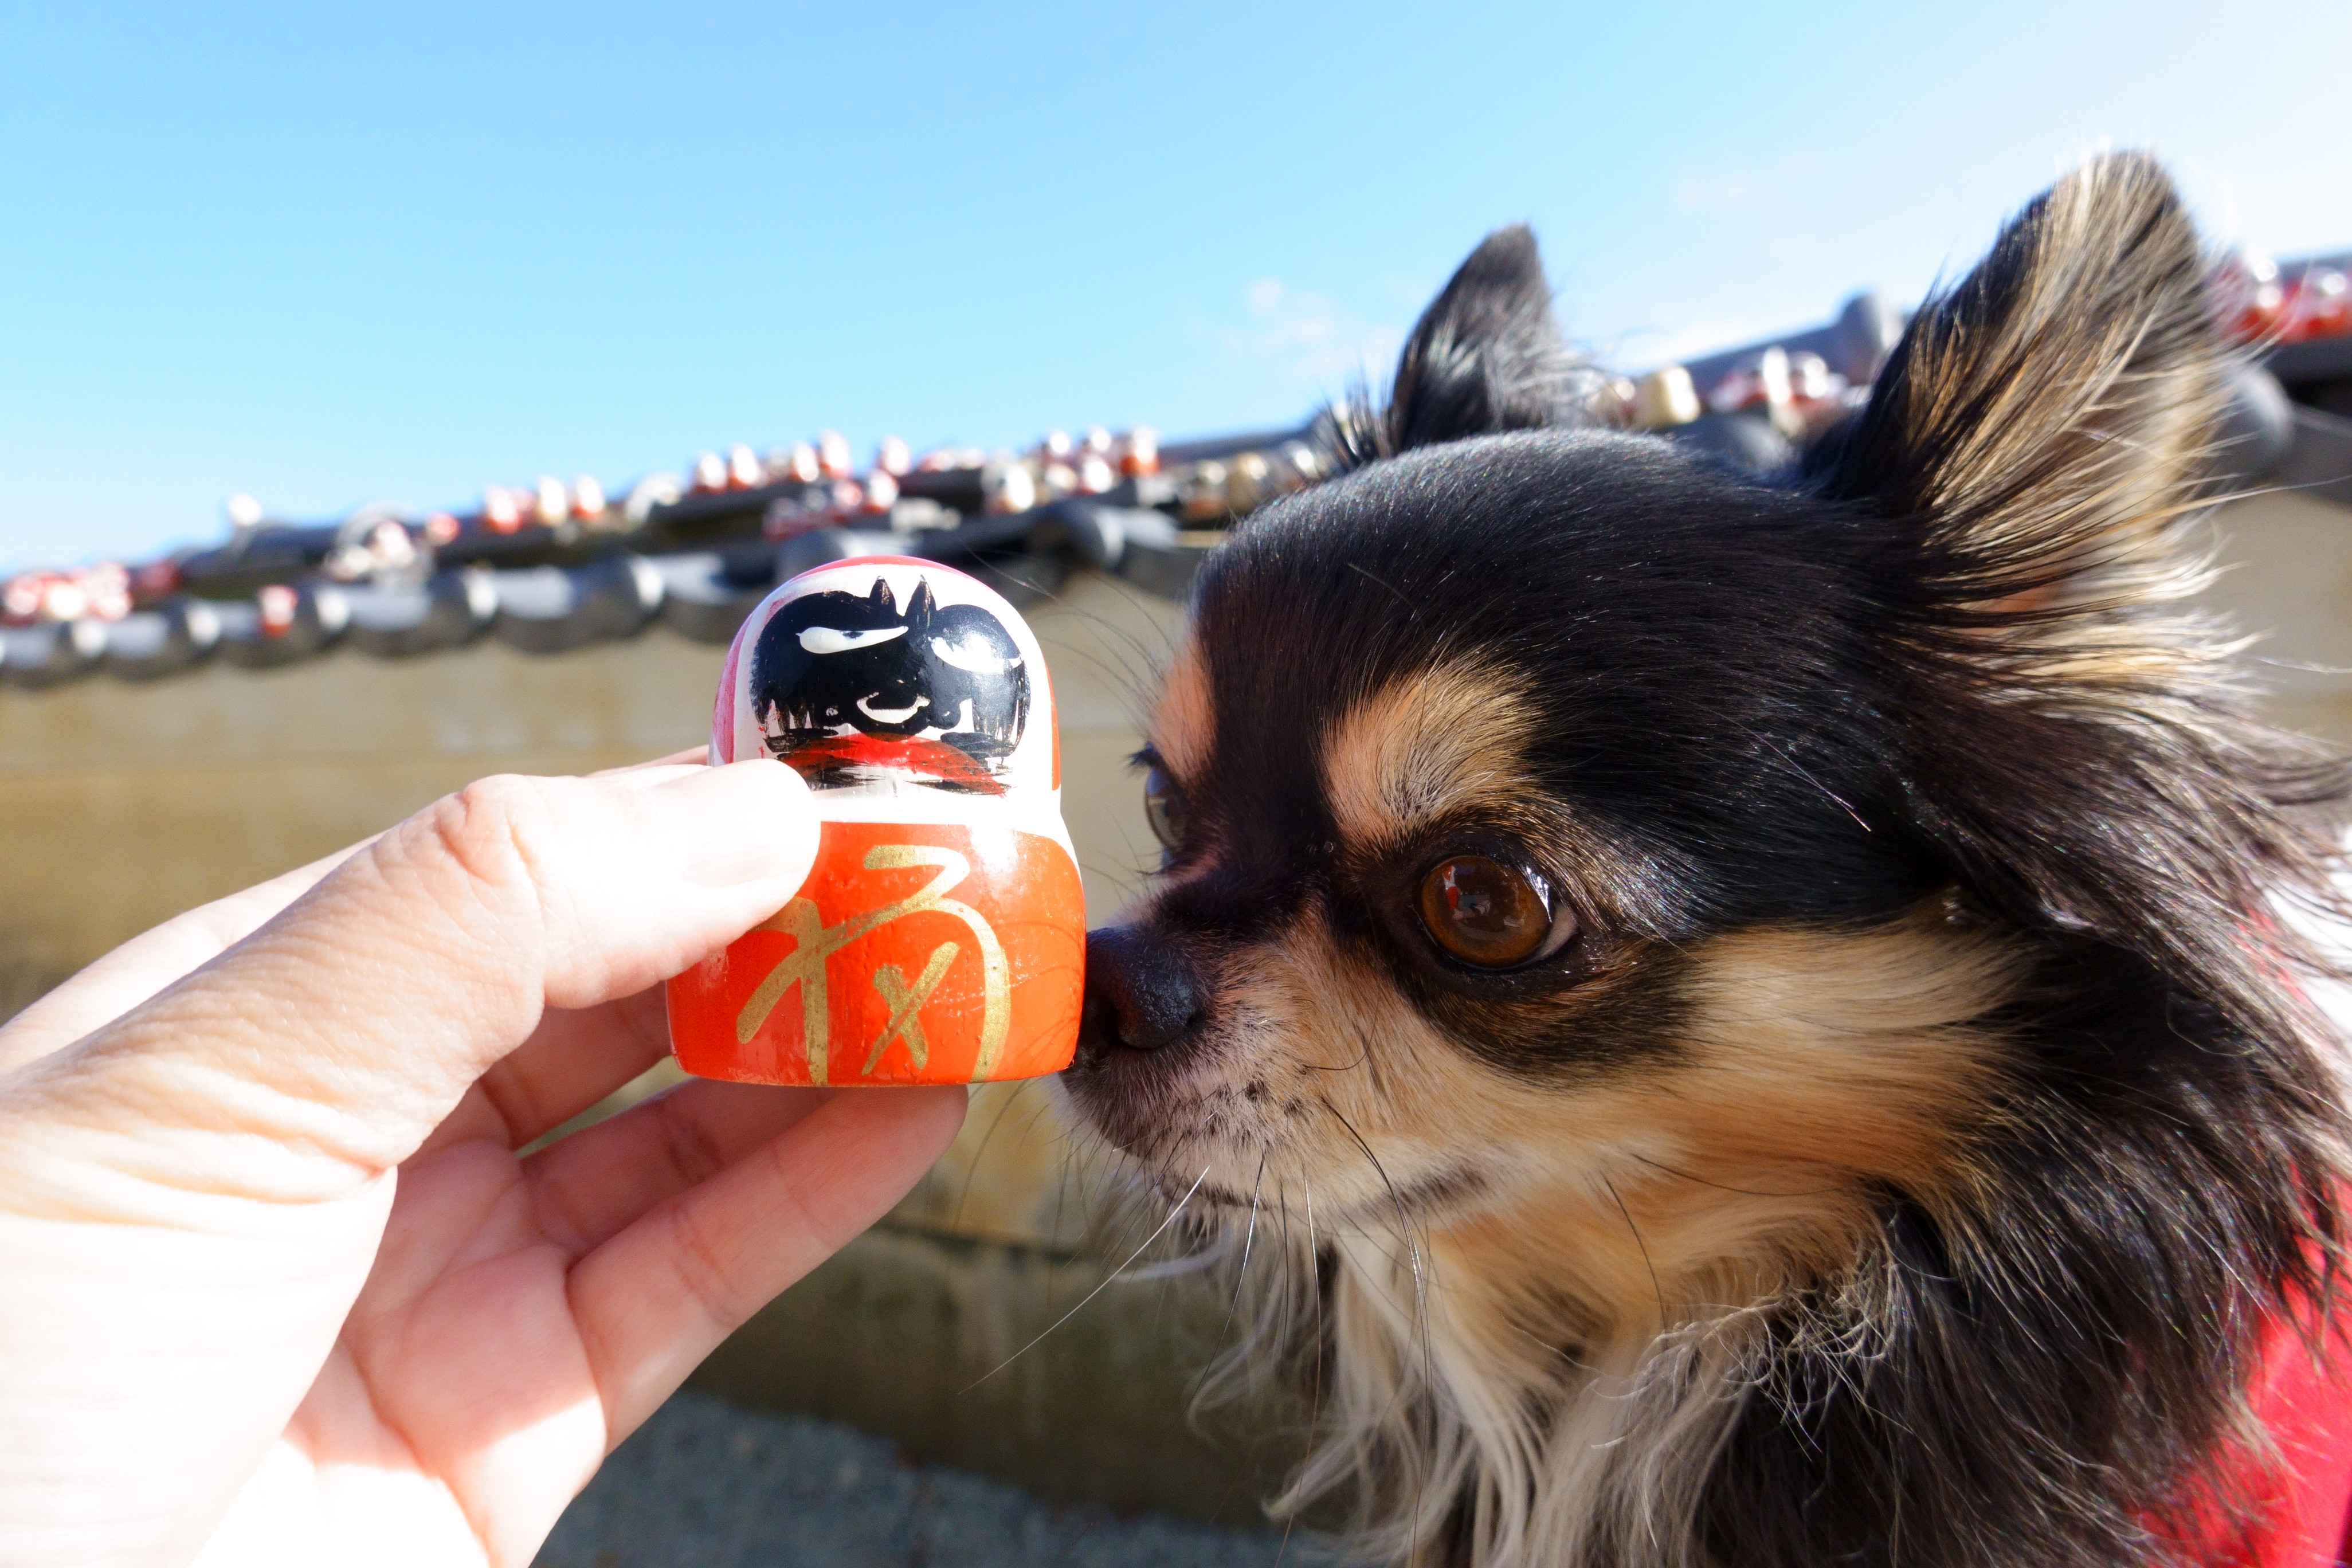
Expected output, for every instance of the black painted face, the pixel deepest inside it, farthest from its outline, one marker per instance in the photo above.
(844, 686)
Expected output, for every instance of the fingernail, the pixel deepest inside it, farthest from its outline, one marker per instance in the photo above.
(746, 822)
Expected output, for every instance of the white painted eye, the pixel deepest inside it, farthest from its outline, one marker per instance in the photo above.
(825, 639)
(972, 656)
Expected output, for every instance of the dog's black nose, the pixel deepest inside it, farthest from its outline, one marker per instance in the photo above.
(1140, 993)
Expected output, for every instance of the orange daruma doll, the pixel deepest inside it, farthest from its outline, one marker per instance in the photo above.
(940, 937)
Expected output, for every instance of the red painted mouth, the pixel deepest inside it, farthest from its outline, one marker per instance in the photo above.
(933, 760)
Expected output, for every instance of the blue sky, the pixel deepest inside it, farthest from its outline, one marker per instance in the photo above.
(338, 254)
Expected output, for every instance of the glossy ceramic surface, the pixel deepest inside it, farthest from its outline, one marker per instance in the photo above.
(940, 937)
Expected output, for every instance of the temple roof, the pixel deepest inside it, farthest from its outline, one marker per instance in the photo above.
(550, 566)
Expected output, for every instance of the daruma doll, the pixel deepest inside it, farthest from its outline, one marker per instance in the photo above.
(940, 937)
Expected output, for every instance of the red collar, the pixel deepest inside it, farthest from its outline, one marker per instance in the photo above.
(2304, 1497)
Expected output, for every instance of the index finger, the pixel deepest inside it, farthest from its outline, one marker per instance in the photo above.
(349, 1026)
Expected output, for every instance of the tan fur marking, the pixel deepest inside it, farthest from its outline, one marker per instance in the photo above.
(1584, 1312)
(1817, 1065)
(1421, 745)
(1184, 723)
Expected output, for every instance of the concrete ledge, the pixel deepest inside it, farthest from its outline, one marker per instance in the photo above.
(906, 1334)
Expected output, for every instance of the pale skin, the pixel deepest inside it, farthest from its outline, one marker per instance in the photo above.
(277, 1288)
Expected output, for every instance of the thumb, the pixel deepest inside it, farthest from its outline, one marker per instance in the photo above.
(353, 1021)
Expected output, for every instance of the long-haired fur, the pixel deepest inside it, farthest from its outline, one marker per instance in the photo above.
(2034, 1343)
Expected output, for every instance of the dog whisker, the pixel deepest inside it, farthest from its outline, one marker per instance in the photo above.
(1098, 1291)
(1722, 1187)
(1411, 609)
(980, 1153)
(1362, 1057)
(1664, 1321)
(1241, 1275)
(1322, 1350)
(1420, 1295)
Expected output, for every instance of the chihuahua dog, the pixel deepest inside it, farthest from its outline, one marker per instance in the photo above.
(1767, 1006)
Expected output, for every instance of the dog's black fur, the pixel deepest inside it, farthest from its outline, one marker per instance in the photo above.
(1938, 666)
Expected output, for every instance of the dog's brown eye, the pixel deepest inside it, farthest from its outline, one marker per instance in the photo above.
(1486, 913)
(1163, 807)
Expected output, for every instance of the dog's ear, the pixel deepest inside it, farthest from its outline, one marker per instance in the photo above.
(2041, 430)
(2024, 482)
(1485, 356)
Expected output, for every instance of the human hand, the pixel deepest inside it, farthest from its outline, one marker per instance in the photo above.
(275, 1285)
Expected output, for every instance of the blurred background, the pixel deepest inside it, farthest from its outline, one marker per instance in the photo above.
(394, 396)
(335, 255)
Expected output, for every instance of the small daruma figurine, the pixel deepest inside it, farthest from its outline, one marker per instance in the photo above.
(940, 937)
